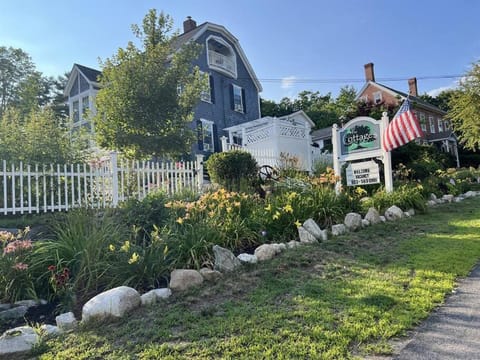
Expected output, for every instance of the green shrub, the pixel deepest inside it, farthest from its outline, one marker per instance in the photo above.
(405, 197)
(145, 214)
(232, 169)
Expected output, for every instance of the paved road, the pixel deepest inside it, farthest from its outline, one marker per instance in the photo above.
(453, 332)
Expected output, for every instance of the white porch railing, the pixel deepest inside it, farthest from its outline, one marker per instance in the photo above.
(42, 188)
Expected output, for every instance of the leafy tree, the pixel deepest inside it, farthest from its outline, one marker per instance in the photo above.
(324, 110)
(465, 109)
(16, 67)
(39, 137)
(145, 106)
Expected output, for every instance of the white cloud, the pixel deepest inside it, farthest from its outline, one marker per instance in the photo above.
(435, 92)
(288, 82)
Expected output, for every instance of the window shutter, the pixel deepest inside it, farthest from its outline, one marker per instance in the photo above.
(200, 135)
(212, 90)
(244, 102)
(216, 140)
(232, 105)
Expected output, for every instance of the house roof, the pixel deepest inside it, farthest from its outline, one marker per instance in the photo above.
(194, 34)
(415, 99)
(90, 74)
(325, 133)
(266, 120)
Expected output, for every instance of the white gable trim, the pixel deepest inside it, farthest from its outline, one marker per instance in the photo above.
(378, 86)
(221, 29)
(71, 79)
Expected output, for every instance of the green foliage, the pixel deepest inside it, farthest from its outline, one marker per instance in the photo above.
(421, 160)
(324, 110)
(146, 213)
(39, 138)
(141, 263)
(145, 105)
(17, 281)
(230, 169)
(405, 197)
(341, 299)
(80, 243)
(465, 109)
(223, 218)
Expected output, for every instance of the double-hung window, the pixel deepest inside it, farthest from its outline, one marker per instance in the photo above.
(423, 122)
(207, 135)
(432, 124)
(238, 101)
(440, 125)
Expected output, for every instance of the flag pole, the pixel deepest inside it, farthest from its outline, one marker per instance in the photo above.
(387, 156)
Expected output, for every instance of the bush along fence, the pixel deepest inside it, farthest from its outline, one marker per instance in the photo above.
(38, 188)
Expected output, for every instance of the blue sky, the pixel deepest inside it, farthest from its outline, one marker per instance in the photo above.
(299, 45)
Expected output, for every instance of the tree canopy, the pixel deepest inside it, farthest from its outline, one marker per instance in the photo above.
(324, 110)
(465, 109)
(145, 106)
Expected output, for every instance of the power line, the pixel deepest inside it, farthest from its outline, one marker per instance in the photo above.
(293, 80)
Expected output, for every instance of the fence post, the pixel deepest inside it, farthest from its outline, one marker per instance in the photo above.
(199, 168)
(223, 139)
(114, 170)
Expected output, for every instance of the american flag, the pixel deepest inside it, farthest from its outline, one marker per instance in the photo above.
(402, 129)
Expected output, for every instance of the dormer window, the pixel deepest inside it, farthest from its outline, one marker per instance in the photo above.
(221, 56)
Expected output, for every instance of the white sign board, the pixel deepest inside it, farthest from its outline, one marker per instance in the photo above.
(363, 173)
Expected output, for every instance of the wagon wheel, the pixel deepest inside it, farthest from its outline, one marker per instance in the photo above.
(267, 172)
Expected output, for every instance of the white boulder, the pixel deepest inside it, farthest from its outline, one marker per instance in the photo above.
(225, 260)
(353, 221)
(153, 296)
(305, 236)
(448, 198)
(183, 279)
(394, 213)
(66, 322)
(111, 303)
(265, 252)
(16, 343)
(365, 223)
(373, 216)
(339, 229)
(247, 258)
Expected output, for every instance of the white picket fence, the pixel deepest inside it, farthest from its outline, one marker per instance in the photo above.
(37, 188)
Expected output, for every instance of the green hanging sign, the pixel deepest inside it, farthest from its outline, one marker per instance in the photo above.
(360, 136)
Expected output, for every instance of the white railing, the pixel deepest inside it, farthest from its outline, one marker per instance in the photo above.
(224, 62)
(42, 188)
(323, 157)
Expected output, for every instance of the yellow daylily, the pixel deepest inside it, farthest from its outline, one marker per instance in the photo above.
(288, 208)
(276, 216)
(298, 224)
(134, 258)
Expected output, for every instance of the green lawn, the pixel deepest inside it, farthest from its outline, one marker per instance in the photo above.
(341, 299)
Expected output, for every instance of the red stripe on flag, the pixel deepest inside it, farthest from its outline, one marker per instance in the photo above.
(404, 128)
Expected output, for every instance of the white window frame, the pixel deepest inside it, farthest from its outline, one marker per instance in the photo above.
(238, 106)
(206, 96)
(233, 57)
(440, 125)
(364, 98)
(446, 124)
(432, 124)
(377, 97)
(207, 126)
(76, 110)
(423, 122)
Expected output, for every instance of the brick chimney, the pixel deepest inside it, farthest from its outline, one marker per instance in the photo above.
(189, 24)
(412, 86)
(369, 74)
